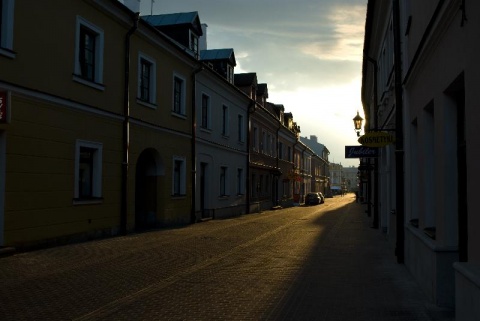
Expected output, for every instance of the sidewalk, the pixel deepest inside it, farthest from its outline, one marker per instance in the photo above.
(353, 275)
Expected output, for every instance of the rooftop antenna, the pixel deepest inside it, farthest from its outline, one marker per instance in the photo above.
(151, 7)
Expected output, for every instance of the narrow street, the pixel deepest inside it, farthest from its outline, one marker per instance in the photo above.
(304, 263)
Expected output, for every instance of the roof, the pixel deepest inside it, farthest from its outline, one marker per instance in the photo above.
(262, 89)
(218, 54)
(172, 19)
(246, 79)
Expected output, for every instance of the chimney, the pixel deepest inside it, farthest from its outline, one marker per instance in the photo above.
(313, 138)
(133, 5)
(202, 42)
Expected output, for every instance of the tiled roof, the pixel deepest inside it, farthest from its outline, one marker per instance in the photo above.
(218, 54)
(245, 79)
(171, 19)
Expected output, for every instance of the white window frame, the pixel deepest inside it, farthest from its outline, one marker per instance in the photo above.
(97, 82)
(241, 128)
(223, 185)
(225, 121)
(97, 169)
(182, 178)
(208, 125)
(194, 43)
(6, 29)
(182, 111)
(152, 86)
(240, 181)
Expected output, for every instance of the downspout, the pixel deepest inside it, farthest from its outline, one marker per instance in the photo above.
(250, 110)
(375, 160)
(399, 152)
(278, 162)
(193, 215)
(126, 127)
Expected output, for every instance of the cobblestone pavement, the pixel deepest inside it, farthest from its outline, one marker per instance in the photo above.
(304, 263)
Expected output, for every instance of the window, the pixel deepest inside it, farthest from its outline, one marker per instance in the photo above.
(230, 74)
(205, 111)
(88, 170)
(239, 181)
(240, 130)
(263, 143)
(179, 178)
(88, 54)
(223, 181)
(253, 187)
(147, 79)
(178, 95)
(280, 150)
(255, 138)
(6, 27)
(194, 43)
(225, 120)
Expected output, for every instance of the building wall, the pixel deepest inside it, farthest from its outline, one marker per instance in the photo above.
(216, 150)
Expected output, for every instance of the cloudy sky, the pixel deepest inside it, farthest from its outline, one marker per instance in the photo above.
(309, 52)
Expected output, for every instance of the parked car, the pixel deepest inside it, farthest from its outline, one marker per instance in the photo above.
(322, 197)
(313, 199)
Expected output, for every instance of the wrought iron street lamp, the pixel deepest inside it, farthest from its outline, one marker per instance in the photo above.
(357, 121)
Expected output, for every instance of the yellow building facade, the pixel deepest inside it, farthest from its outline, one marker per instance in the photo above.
(96, 126)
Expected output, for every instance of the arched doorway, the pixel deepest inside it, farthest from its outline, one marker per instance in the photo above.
(147, 171)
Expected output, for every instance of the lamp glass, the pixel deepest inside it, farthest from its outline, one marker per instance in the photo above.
(357, 121)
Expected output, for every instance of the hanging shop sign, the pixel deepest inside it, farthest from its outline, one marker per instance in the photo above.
(3, 106)
(376, 139)
(360, 151)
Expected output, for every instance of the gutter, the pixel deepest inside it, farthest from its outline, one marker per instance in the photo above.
(193, 215)
(126, 127)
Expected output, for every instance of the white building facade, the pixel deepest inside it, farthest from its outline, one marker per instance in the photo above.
(428, 93)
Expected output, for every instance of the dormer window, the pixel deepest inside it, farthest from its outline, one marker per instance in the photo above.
(194, 43)
(230, 73)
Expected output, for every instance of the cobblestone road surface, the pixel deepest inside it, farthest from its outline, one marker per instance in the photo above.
(305, 263)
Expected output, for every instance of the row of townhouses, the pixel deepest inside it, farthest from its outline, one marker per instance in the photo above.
(111, 123)
(421, 76)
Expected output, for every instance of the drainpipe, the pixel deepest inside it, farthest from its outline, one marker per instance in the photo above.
(375, 160)
(278, 164)
(399, 152)
(193, 215)
(250, 111)
(126, 127)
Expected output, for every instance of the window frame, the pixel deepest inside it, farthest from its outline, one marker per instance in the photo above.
(97, 80)
(205, 115)
(223, 183)
(7, 10)
(182, 96)
(179, 184)
(151, 100)
(225, 121)
(97, 171)
(194, 43)
(240, 181)
(240, 128)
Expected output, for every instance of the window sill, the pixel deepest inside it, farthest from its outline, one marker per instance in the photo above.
(179, 196)
(88, 201)
(146, 103)
(8, 53)
(414, 222)
(182, 116)
(430, 232)
(88, 83)
(223, 197)
(206, 130)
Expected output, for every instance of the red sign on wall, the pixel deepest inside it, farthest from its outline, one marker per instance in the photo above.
(3, 107)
